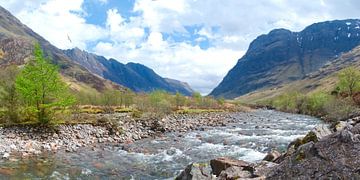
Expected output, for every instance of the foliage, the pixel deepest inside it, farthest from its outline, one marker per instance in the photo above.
(41, 87)
(160, 102)
(314, 103)
(340, 109)
(349, 80)
(180, 100)
(8, 96)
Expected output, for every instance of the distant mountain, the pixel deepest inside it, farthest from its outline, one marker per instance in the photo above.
(16, 46)
(322, 80)
(283, 56)
(135, 76)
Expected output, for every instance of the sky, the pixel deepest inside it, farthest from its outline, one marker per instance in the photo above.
(195, 41)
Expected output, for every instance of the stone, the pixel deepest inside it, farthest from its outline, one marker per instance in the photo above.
(6, 156)
(233, 173)
(321, 131)
(196, 171)
(342, 125)
(272, 156)
(263, 168)
(222, 163)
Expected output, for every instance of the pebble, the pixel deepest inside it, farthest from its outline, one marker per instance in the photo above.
(27, 140)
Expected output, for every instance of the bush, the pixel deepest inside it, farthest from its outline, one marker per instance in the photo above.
(289, 102)
(9, 98)
(314, 103)
(349, 81)
(339, 109)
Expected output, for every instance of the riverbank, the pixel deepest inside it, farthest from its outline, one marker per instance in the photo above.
(27, 140)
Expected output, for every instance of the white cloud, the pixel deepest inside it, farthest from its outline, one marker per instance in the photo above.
(56, 21)
(229, 26)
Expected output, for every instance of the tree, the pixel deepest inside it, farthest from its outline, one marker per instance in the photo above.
(8, 95)
(41, 87)
(198, 98)
(179, 100)
(349, 80)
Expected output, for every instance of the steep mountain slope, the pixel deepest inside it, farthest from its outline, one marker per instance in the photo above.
(324, 79)
(283, 56)
(134, 76)
(16, 45)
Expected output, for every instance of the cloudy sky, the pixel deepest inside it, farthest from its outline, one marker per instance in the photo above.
(197, 41)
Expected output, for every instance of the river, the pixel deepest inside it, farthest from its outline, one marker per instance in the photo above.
(249, 138)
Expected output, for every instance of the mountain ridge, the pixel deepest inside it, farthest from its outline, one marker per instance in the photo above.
(17, 44)
(135, 76)
(282, 56)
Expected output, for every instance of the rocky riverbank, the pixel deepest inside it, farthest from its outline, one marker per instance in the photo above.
(28, 140)
(324, 153)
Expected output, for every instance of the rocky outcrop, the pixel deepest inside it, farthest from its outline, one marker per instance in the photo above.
(333, 157)
(283, 56)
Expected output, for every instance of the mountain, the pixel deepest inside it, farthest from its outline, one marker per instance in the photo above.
(322, 80)
(135, 76)
(283, 56)
(16, 47)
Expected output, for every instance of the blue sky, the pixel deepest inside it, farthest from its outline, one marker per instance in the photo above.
(196, 41)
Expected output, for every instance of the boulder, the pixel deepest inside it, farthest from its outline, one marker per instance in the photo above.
(263, 168)
(321, 131)
(234, 172)
(340, 126)
(196, 171)
(335, 156)
(272, 156)
(222, 163)
(6, 156)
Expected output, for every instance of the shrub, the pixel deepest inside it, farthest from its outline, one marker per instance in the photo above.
(9, 98)
(349, 80)
(314, 103)
(339, 109)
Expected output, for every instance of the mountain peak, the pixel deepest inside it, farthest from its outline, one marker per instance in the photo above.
(135, 76)
(283, 56)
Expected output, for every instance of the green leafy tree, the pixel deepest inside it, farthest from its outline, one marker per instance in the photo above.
(41, 87)
(349, 80)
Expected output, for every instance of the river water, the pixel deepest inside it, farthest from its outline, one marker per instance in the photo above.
(249, 139)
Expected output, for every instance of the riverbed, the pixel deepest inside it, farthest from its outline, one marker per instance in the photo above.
(249, 138)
